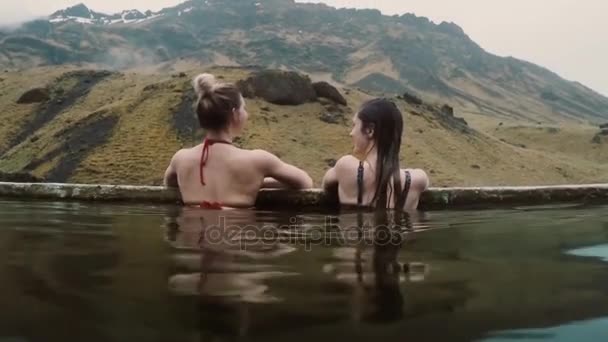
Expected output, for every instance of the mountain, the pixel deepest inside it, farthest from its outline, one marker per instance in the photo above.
(82, 14)
(90, 97)
(356, 48)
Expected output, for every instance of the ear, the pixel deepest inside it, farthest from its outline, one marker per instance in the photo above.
(370, 131)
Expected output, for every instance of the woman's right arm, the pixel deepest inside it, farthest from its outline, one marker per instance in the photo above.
(289, 175)
(333, 175)
(330, 180)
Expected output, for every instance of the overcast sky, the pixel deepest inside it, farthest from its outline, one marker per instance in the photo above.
(569, 37)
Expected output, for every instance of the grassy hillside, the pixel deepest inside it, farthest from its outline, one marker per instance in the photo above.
(123, 128)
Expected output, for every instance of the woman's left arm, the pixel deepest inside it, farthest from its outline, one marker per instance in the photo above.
(170, 178)
(271, 183)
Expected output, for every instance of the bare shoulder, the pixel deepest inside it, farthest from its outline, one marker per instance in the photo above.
(261, 156)
(179, 155)
(347, 162)
(417, 173)
(261, 159)
(419, 178)
(186, 153)
(260, 153)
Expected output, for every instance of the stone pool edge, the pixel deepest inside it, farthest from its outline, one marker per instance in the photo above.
(435, 198)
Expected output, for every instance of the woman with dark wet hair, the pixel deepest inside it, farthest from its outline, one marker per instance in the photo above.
(217, 174)
(372, 177)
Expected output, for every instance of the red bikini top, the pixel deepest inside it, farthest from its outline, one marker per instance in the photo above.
(205, 155)
(204, 158)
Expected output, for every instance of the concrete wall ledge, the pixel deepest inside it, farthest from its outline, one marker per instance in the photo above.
(435, 198)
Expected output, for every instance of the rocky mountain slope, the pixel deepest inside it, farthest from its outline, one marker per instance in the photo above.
(356, 48)
(68, 124)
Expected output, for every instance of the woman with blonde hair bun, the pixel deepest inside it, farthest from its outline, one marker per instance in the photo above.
(216, 174)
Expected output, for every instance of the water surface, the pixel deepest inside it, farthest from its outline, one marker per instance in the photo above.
(76, 271)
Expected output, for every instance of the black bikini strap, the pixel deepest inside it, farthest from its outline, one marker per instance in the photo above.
(406, 188)
(360, 172)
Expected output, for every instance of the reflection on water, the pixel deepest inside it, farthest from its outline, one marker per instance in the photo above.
(600, 252)
(220, 258)
(223, 256)
(593, 330)
(92, 272)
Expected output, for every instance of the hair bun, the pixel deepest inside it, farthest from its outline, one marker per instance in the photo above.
(204, 84)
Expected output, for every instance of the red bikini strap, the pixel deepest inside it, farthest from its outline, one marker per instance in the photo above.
(205, 155)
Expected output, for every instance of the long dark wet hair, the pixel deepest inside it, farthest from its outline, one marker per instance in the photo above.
(388, 239)
(386, 121)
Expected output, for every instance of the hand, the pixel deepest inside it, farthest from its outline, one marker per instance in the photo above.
(271, 183)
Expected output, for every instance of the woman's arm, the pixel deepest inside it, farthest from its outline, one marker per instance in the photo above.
(271, 183)
(170, 178)
(330, 180)
(421, 180)
(332, 176)
(286, 174)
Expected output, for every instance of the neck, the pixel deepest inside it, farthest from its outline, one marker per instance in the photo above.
(370, 155)
(219, 135)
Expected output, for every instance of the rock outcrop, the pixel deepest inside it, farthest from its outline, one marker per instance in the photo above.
(331, 118)
(333, 113)
(411, 99)
(447, 110)
(599, 137)
(446, 116)
(36, 95)
(326, 90)
(279, 87)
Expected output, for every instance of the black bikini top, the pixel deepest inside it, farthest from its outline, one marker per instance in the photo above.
(360, 173)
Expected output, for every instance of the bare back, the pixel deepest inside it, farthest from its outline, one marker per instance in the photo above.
(232, 176)
(345, 175)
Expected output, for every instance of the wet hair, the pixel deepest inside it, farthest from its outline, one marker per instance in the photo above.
(385, 119)
(388, 238)
(215, 101)
(387, 272)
